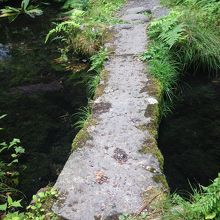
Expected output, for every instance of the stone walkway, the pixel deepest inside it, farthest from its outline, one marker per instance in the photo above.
(109, 175)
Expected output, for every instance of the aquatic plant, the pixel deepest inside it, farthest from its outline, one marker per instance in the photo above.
(26, 8)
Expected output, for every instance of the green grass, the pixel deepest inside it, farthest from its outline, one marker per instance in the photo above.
(164, 68)
(85, 29)
(187, 39)
(203, 204)
(82, 116)
(180, 41)
(97, 62)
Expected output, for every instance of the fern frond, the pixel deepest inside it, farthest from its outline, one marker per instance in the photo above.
(173, 35)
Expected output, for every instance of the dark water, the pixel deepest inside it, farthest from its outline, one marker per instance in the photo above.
(39, 97)
(189, 138)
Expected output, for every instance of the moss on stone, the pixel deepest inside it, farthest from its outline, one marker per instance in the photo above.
(154, 198)
(150, 147)
(101, 87)
(160, 178)
(83, 135)
(153, 111)
(154, 88)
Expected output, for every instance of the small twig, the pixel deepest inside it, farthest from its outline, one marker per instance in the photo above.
(146, 205)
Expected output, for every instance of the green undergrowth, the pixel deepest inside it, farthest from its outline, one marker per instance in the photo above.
(92, 82)
(84, 33)
(85, 27)
(187, 39)
(184, 39)
(39, 208)
(203, 204)
(11, 205)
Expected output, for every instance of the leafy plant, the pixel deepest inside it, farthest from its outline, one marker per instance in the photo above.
(182, 41)
(40, 206)
(76, 4)
(204, 204)
(84, 28)
(188, 38)
(98, 60)
(165, 69)
(10, 204)
(92, 84)
(39, 209)
(72, 26)
(8, 169)
(12, 13)
(142, 216)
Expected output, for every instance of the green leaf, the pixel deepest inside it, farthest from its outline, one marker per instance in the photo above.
(34, 12)
(24, 4)
(14, 142)
(3, 148)
(41, 194)
(2, 116)
(53, 192)
(33, 207)
(19, 150)
(210, 216)
(3, 207)
(16, 204)
(34, 198)
(10, 201)
(13, 161)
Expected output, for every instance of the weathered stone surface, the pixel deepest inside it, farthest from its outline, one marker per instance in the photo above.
(131, 41)
(137, 18)
(122, 26)
(138, 10)
(109, 175)
(151, 5)
(159, 11)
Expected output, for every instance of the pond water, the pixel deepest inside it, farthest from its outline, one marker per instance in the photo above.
(189, 138)
(39, 97)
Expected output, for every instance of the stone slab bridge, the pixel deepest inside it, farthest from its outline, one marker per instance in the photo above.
(117, 163)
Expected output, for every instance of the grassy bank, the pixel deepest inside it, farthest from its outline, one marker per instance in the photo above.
(186, 40)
